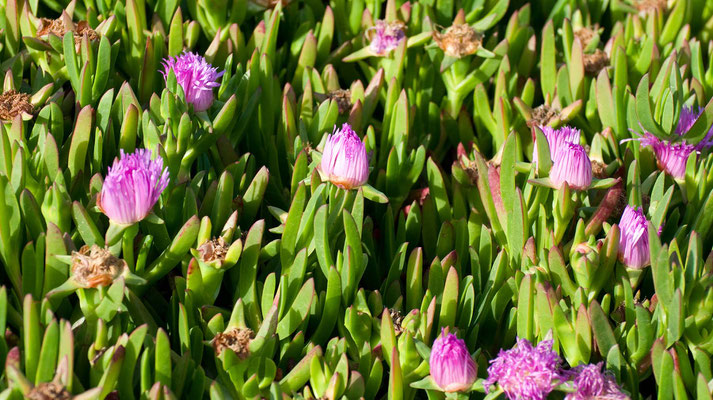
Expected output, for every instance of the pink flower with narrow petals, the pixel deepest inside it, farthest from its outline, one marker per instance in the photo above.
(196, 77)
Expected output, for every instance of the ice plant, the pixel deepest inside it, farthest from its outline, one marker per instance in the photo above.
(451, 366)
(571, 165)
(196, 77)
(385, 36)
(590, 382)
(525, 372)
(458, 40)
(95, 266)
(344, 159)
(556, 138)
(132, 186)
(634, 238)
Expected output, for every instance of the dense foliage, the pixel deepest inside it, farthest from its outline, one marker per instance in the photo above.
(234, 199)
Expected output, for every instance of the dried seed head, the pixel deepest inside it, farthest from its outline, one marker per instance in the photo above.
(585, 34)
(49, 391)
(59, 27)
(458, 40)
(645, 6)
(343, 97)
(599, 169)
(236, 340)
(542, 115)
(215, 249)
(95, 266)
(397, 318)
(13, 103)
(595, 62)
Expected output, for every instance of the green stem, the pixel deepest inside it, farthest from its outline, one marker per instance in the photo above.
(128, 245)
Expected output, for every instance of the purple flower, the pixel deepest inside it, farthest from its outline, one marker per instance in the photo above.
(386, 36)
(452, 367)
(686, 120)
(556, 138)
(634, 238)
(671, 157)
(525, 372)
(591, 383)
(196, 77)
(571, 165)
(132, 186)
(344, 160)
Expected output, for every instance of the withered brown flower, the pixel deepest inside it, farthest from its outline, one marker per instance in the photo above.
(212, 250)
(236, 339)
(458, 40)
(95, 266)
(13, 103)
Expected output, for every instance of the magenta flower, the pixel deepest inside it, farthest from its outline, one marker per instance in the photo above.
(634, 238)
(671, 157)
(196, 77)
(686, 120)
(571, 165)
(556, 138)
(591, 383)
(344, 160)
(452, 367)
(525, 372)
(386, 36)
(132, 186)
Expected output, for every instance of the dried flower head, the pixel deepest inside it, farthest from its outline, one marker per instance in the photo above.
(384, 37)
(396, 318)
(344, 160)
(542, 115)
(458, 40)
(595, 62)
(634, 238)
(49, 391)
(571, 165)
(13, 103)
(94, 266)
(236, 339)
(212, 250)
(451, 365)
(343, 97)
(60, 26)
(585, 34)
(196, 77)
(132, 187)
(650, 6)
(525, 372)
(590, 383)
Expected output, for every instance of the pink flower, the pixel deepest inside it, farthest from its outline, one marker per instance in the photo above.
(452, 368)
(671, 157)
(556, 138)
(196, 77)
(591, 383)
(634, 238)
(344, 159)
(386, 36)
(132, 187)
(571, 165)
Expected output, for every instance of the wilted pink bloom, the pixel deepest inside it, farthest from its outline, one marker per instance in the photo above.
(571, 165)
(634, 238)
(452, 368)
(196, 77)
(671, 157)
(132, 186)
(344, 159)
(525, 372)
(386, 36)
(556, 138)
(591, 383)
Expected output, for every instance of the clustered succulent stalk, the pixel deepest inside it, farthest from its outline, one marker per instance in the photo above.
(379, 199)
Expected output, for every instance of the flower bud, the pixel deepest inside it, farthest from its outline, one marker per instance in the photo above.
(634, 238)
(451, 366)
(132, 187)
(571, 165)
(344, 160)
